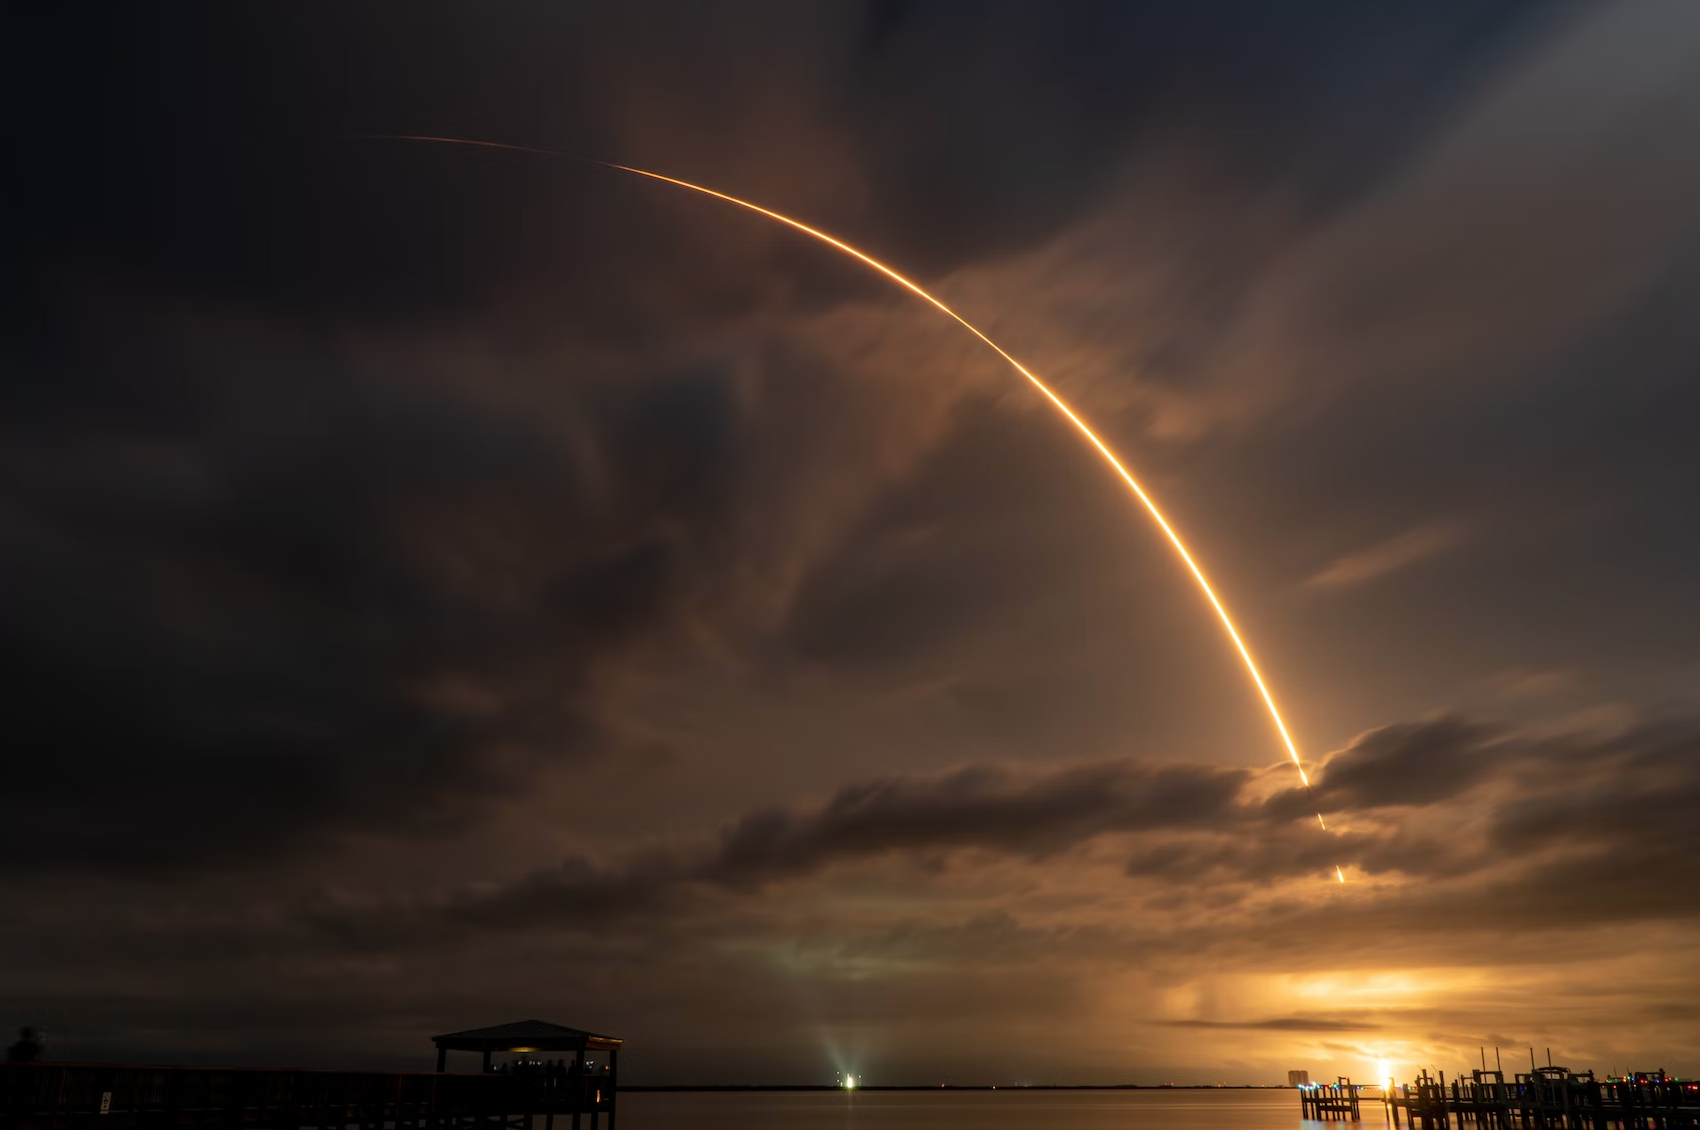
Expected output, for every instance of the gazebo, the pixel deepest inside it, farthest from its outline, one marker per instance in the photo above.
(530, 1036)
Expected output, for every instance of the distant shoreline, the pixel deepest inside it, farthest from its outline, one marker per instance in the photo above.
(968, 1087)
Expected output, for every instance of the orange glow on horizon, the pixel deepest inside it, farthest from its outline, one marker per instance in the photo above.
(1056, 401)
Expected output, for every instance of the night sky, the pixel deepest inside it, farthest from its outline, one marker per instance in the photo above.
(443, 586)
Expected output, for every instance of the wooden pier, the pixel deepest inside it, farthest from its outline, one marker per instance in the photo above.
(1331, 1102)
(1547, 1098)
(80, 1096)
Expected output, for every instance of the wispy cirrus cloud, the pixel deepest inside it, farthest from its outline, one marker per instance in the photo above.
(1389, 555)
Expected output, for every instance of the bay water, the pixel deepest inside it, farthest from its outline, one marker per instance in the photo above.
(1003, 1109)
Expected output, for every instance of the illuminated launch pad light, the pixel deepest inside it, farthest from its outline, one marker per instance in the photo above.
(1044, 390)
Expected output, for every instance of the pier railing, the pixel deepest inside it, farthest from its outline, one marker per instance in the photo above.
(48, 1096)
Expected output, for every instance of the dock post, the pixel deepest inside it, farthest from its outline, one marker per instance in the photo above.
(580, 1087)
(613, 1085)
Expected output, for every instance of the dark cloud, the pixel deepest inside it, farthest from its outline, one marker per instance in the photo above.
(211, 148)
(640, 912)
(327, 602)
(1279, 1024)
(968, 162)
(1263, 854)
(1192, 827)
(980, 808)
(1416, 764)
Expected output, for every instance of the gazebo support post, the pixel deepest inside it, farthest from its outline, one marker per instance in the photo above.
(581, 1090)
(613, 1084)
(513, 1104)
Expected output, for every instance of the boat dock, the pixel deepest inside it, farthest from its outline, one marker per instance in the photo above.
(87, 1096)
(1331, 1102)
(1546, 1098)
(525, 1093)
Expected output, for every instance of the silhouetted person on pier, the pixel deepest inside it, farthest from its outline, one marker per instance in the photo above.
(27, 1049)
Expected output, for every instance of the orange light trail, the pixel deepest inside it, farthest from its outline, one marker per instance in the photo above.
(1044, 389)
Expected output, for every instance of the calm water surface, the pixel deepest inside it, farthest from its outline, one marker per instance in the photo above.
(962, 1110)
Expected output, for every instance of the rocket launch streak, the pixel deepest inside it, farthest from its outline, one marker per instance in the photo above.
(1044, 390)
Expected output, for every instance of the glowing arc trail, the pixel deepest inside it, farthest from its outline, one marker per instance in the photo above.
(1057, 402)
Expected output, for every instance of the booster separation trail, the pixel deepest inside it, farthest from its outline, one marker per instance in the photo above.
(1044, 390)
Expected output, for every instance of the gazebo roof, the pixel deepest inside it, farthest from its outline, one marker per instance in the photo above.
(525, 1035)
